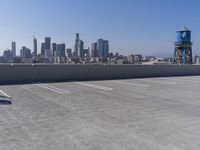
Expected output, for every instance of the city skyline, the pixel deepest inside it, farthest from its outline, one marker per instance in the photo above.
(130, 26)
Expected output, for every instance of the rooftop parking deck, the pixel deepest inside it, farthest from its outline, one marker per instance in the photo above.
(139, 114)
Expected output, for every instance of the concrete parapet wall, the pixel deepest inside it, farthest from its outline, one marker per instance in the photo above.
(27, 73)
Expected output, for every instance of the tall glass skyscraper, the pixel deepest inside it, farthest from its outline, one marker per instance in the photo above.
(61, 50)
(43, 49)
(76, 46)
(47, 43)
(54, 49)
(94, 50)
(13, 49)
(81, 49)
(35, 46)
(103, 48)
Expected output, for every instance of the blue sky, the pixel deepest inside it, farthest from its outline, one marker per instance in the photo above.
(131, 26)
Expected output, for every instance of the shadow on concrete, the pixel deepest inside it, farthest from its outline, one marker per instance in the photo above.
(5, 102)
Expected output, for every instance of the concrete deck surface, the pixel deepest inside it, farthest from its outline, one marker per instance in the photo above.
(134, 114)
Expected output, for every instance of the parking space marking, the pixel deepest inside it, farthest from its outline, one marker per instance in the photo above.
(132, 83)
(162, 82)
(183, 80)
(4, 94)
(94, 86)
(56, 88)
(191, 79)
(195, 77)
(51, 89)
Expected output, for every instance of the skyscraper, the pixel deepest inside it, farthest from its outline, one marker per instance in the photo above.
(81, 49)
(25, 52)
(106, 48)
(7, 54)
(47, 43)
(43, 49)
(35, 46)
(54, 49)
(76, 46)
(13, 49)
(103, 48)
(61, 50)
(94, 50)
(48, 54)
(86, 53)
(69, 52)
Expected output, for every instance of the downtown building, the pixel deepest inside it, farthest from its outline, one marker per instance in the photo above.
(46, 53)
(78, 47)
(69, 53)
(46, 46)
(54, 49)
(7, 56)
(43, 49)
(59, 53)
(34, 48)
(47, 43)
(103, 49)
(94, 52)
(25, 53)
(13, 44)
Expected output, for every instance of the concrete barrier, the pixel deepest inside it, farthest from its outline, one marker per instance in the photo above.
(27, 73)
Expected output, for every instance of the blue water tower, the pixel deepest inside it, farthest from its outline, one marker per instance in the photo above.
(183, 47)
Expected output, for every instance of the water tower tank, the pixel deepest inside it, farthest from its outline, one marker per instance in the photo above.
(183, 47)
(183, 35)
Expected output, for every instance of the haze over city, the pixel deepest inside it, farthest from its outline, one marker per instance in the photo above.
(139, 26)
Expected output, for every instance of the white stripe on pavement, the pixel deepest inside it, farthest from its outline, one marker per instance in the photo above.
(51, 89)
(183, 80)
(162, 82)
(94, 86)
(6, 95)
(131, 83)
(189, 79)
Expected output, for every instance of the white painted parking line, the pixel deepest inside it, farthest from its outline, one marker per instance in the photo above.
(191, 79)
(132, 83)
(94, 86)
(162, 82)
(51, 89)
(4, 94)
(182, 80)
(56, 88)
(194, 77)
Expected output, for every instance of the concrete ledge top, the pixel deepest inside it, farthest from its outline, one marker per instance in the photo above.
(43, 64)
